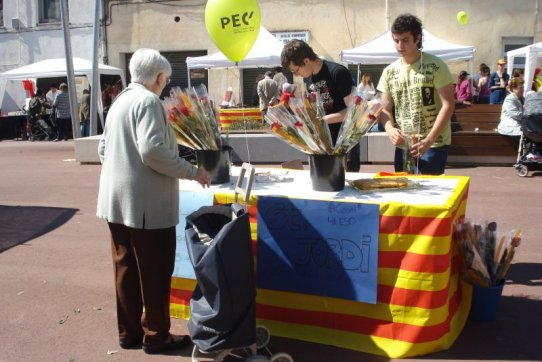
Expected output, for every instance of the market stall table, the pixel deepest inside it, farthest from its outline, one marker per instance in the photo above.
(12, 126)
(421, 304)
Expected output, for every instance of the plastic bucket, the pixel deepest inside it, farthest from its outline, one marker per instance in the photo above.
(216, 163)
(327, 172)
(485, 302)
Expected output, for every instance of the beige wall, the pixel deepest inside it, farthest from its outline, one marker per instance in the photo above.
(333, 26)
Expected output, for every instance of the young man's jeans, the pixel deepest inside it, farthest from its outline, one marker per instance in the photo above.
(84, 129)
(433, 162)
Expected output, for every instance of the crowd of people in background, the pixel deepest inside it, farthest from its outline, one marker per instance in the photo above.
(54, 109)
(500, 88)
(486, 87)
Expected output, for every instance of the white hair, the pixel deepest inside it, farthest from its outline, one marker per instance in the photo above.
(146, 64)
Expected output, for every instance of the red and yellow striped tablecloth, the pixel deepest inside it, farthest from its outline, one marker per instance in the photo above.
(422, 305)
(227, 116)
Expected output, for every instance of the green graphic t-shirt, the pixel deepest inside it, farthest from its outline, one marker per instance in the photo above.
(413, 88)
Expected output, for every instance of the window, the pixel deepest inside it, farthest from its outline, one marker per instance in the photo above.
(49, 11)
(1, 12)
(511, 43)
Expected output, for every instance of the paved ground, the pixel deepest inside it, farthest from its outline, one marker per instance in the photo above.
(56, 288)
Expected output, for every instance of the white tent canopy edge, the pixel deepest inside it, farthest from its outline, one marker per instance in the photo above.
(52, 68)
(265, 53)
(531, 54)
(382, 50)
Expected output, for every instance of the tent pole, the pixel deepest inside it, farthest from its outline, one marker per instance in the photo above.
(359, 70)
(387, 15)
(94, 88)
(241, 100)
(69, 67)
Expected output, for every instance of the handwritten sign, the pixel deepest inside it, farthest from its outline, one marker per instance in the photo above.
(318, 247)
(188, 203)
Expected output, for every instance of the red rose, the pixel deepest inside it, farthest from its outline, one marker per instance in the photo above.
(185, 111)
(357, 99)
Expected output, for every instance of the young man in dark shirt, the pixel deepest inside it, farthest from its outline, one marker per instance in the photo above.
(332, 80)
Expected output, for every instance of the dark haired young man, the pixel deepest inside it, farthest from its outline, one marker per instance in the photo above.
(419, 88)
(332, 80)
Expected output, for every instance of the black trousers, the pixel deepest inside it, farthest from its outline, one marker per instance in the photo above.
(143, 262)
(63, 126)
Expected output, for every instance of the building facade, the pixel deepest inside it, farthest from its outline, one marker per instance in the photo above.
(30, 30)
(178, 27)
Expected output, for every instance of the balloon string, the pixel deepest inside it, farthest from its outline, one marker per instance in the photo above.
(246, 135)
(243, 114)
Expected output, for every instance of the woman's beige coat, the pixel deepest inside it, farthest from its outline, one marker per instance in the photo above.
(139, 184)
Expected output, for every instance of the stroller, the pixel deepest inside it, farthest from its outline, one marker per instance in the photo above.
(223, 306)
(531, 127)
(39, 130)
(36, 127)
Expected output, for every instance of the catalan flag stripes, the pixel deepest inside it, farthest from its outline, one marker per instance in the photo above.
(422, 304)
(231, 115)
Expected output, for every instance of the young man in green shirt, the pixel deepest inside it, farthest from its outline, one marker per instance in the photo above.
(419, 90)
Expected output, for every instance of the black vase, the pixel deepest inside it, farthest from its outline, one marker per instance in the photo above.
(327, 172)
(216, 163)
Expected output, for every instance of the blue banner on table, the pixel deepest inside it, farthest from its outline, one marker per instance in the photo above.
(318, 247)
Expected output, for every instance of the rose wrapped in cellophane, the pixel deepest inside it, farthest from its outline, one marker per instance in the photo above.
(485, 260)
(302, 124)
(360, 117)
(193, 118)
(286, 126)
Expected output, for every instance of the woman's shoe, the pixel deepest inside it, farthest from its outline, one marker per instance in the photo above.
(170, 344)
(131, 343)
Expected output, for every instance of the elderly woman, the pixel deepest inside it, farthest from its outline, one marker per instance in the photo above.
(139, 198)
(512, 111)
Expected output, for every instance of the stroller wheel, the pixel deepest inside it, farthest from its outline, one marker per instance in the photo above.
(262, 336)
(522, 170)
(257, 358)
(281, 357)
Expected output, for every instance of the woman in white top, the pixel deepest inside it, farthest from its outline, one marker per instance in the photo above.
(366, 87)
(512, 110)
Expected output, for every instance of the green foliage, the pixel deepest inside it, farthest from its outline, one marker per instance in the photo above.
(249, 125)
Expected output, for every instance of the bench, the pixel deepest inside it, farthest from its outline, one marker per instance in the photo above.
(475, 138)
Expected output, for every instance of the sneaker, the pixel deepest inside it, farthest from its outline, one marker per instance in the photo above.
(533, 157)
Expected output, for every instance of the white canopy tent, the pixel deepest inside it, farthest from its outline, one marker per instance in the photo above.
(265, 53)
(531, 54)
(50, 68)
(382, 50)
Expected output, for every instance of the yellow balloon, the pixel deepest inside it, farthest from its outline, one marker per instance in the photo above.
(462, 17)
(233, 25)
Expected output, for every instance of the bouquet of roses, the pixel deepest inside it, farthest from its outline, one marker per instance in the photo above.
(301, 124)
(486, 259)
(360, 117)
(193, 118)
